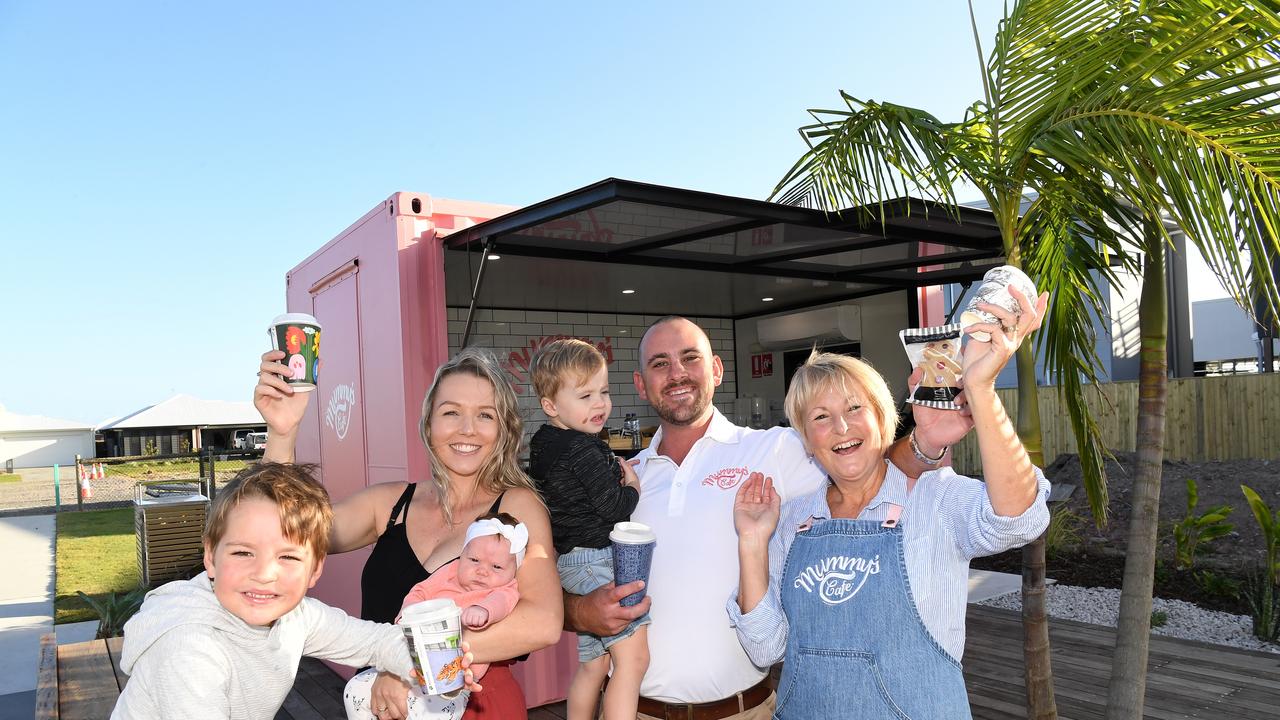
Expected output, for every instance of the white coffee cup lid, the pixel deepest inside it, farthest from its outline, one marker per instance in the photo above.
(430, 611)
(632, 533)
(295, 318)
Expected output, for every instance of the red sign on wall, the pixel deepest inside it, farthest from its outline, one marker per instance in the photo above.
(761, 365)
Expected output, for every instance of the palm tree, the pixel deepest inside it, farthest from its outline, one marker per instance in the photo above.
(1184, 128)
(1116, 114)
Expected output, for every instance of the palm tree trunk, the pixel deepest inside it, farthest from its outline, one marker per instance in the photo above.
(1037, 671)
(1127, 691)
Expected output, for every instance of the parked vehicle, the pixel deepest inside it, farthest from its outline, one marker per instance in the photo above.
(240, 439)
(256, 441)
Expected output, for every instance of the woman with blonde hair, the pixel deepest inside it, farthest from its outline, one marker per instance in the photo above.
(862, 587)
(471, 428)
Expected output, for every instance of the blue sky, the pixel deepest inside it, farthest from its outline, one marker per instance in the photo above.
(164, 164)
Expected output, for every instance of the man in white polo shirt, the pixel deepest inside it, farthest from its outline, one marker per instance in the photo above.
(689, 476)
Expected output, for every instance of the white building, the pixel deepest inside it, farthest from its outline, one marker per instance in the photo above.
(35, 441)
(180, 424)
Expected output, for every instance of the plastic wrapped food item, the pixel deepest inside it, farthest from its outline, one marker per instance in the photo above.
(936, 352)
(995, 291)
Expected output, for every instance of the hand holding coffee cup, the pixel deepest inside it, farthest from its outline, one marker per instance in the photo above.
(297, 335)
(633, 545)
(433, 629)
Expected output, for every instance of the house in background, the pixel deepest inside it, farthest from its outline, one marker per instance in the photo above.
(180, 424)
(35, 441)
(1225, 338)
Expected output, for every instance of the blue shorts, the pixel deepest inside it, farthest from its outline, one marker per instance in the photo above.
(581, 571)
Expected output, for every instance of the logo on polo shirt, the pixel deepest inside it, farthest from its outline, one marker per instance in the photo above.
(837, 578)
(726, 479)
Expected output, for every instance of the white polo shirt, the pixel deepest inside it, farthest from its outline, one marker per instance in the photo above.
(694, 654)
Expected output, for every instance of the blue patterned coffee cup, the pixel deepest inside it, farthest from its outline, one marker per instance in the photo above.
(633, 544)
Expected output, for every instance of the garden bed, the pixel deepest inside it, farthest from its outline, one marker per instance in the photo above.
(1096, 557)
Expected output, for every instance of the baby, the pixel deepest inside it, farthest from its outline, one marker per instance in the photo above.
(483, 583)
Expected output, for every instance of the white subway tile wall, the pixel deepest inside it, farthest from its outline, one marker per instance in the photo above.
(514, 335)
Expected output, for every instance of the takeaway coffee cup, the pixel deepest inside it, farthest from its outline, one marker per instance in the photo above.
(995, 291)
(632, 554)
(433, 629)
(298, 335)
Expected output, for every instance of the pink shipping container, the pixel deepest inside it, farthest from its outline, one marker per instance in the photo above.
(383, 290)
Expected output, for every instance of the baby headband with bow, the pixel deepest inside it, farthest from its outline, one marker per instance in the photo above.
(517, 535)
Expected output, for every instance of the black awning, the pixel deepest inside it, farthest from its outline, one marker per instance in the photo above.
(720, 255)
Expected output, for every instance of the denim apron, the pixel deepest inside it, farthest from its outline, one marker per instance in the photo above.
(856, 647)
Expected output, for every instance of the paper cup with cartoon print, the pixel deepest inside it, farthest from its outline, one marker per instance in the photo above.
(995, 291)
(633, 545)
(433, 629)
(298, 336)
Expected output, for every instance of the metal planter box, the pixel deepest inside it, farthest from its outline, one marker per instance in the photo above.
(169, 530)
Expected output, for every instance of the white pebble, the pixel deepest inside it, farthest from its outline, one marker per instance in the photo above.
(1100, 606)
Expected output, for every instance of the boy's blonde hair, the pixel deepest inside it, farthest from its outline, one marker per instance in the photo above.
(824, 371)
(303, 504)
(558, 362)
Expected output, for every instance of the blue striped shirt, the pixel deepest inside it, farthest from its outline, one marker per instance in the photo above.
(947, 520)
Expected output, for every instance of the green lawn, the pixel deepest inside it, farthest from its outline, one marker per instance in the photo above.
(97, 553)
(10, 478)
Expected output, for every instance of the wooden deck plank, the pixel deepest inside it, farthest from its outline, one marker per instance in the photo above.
(87, 688)
(47, 679)
(319, 695)
(115, 646)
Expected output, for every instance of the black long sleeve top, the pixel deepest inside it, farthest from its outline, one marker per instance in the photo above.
(579, 478)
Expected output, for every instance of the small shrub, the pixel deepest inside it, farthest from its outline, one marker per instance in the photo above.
(149, 448)
(1062, 534)
(1193, 531)
(1159, 618)
(1270, 524)
(114, 609)
(1264, 606)
(1264, 601)
(1219, 586)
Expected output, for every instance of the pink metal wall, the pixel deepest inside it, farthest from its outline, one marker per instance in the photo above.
(378, 291)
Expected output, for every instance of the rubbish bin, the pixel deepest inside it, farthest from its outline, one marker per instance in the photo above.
(169, 527)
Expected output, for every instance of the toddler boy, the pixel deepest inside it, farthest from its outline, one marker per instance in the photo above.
(226, 644)
(587, 489)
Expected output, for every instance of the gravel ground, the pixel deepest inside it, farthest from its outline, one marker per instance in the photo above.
(1100, 606)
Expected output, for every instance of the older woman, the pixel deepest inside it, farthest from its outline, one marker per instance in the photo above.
(862, 589)
(471, 428)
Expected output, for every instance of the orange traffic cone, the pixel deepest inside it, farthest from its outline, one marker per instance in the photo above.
(86, 490)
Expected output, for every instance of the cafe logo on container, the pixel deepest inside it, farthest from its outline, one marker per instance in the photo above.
(337, 414)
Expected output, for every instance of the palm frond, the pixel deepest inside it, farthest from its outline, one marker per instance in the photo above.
(870, 153)
(1065, 235)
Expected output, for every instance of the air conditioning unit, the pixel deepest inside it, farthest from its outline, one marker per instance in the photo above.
(841, 323)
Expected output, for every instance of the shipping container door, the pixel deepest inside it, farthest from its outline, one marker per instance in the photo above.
(339, 403)
(339, 413)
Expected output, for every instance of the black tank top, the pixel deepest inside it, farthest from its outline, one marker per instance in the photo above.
(392, 568)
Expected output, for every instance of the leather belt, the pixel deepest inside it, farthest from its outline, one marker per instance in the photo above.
(714, 710)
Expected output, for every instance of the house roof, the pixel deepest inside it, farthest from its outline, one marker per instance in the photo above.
(187, 411)
(13, 422)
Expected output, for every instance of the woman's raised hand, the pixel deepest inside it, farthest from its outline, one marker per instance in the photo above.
(983, 361)
(756, 508)
(279, 405)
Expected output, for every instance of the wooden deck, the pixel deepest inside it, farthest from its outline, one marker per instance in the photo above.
(1185, 679)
